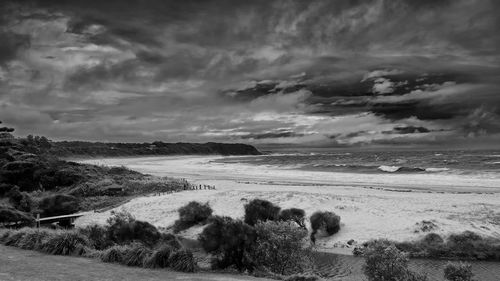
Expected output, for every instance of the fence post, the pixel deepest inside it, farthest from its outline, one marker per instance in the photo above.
(38, 220)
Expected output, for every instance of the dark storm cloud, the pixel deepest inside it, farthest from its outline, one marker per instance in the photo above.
(11, 44)
(228, 70)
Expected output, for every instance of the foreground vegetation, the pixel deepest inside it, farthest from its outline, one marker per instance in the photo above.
(34, 181)
(462, 246)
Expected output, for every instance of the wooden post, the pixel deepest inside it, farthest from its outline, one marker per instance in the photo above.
(38, 220)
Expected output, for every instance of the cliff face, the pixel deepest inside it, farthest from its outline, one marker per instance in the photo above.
(77, 148)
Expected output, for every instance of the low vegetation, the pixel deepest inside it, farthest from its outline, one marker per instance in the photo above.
(465, 246)
(384, 262)
(191, 214)
(260, 210)
(458, 272)
(134, 248)
(328, 222)
(264, 241)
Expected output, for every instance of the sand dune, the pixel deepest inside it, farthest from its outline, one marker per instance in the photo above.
(371, 205)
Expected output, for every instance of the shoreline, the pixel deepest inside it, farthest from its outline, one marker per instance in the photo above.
(367, 210)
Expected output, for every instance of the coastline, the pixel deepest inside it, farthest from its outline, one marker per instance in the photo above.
(368, 211)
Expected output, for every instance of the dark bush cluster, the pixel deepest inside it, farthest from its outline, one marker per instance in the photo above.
(20, 199)
(229, 241)
(458, 272)
(326, 221)
(264, 240)
(191, 214)
(260, 210)
(384, 262)
(58, 205)
(293, 214)
(466, 245)
(124, 228)
(13, 216)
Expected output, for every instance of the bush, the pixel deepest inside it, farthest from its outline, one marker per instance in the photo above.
(279, 247)
(21, 173)
(260, 210)
(97, 235)
(140, 231)
(20, 200)
(160, 257)
(9, 215)
(327, 221)
(432, 239)
(170, 240)
(13, 238)
(230, 241)
(182, 260)
(294, 214)
(68, 242)
(33, 238)
(113, 254)
(135, 254)
(191, 214)
(58, 205)
(387, 263)
(458, 272)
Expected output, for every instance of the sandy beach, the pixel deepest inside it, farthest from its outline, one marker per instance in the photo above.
(370, 205)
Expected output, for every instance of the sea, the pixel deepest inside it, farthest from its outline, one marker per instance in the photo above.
(485, 163)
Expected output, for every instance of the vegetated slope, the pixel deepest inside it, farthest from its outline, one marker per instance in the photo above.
(80, 148)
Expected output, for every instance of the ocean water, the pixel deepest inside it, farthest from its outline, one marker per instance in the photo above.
(463, 162)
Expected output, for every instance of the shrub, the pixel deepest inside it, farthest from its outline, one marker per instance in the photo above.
(260, 210)
(21, 173)
(68, 242)
(458, 272)
(97, 235)
(294, 214)
(387, 263)
(113, 254)
(192, 214)
(20, 200)
(432, 239)
(9, 215)
(33, 239)
(58, 205)
(279, 247)
(13, 238)
(327, 221)
(125, 232)
(170, 240)
(182, 260)
(230, 241)
(135, 254)
(160, 257)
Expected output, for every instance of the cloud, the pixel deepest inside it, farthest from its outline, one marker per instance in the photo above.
(316, 72)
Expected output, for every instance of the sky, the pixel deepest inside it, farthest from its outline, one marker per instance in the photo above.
(319, 73)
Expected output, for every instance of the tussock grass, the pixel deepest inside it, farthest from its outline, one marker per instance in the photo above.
(65, 243)
(135, 254)
(113, 254)
(33, 239)
(160, 257)
(182, 260)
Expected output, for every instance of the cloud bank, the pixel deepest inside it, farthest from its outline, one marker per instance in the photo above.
(329, 73)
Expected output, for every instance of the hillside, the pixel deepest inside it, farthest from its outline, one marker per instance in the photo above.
(80, 148)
